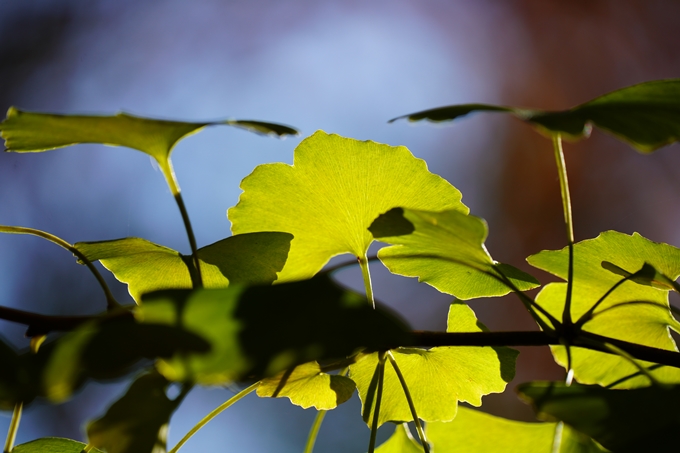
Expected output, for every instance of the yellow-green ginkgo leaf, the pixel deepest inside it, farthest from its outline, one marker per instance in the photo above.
(53, 445)
(474, 432)
(632, 312)
(331, 194)
(439, 377)
(247, 258)
(401, 441)
(445, 250)
(34, 132)
(306, 386)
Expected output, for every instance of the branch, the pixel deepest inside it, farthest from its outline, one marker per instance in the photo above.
(43, 324)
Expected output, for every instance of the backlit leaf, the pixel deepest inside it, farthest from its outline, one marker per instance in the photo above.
(137, 422)
(439, 377)
(331, 195)
(400, 442)
(261, 330)
(308, 386)
(646, 321)
(52, 445)
(635, 420)
(445, 250)
(475, 431)
(246, 258)
(647, 115)
(34, 132)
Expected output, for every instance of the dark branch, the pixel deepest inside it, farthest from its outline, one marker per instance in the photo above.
(43, 324)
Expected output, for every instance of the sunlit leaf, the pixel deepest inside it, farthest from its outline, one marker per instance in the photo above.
(308, 386)
(331, 195)
(52, 445)
(475, 431)
(400, 442)
(647, 115)
(33, 132)
(246, 258)
(635, 420)
(445, 250)
(440, 377)
(262, 330)
(646, 321)
(137, 422)
(108, 349)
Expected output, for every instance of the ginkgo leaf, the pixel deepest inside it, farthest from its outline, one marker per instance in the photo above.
(631, 312)
(137, 422)
(306, 386)
(259, 331)
(401, 441)
(445, 250)
(439, 377)
(635, 420)
(647, 115)
(246, 258)
(475, 431)
(53, 445)
(34, 132)
(328, 198)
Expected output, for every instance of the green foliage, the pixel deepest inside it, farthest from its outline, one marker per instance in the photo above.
(258, 307)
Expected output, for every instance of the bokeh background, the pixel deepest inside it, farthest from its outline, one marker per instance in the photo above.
(344, 67)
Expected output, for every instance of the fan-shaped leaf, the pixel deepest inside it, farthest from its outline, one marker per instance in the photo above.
(400, 442)
(52, 445)
(246, 258)
(632, 312)
(33, 132)
(262, 330)
(647, 115)
(138, 422)
(445, 250)
(440, 377)
(474, 432)
(329, 197)
(621, 420)
(306, 386)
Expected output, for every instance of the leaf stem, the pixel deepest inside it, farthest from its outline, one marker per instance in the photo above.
(218, 410)
(196, 272)
(111, 302)
(378, 400)
(314, 431)
(13, 427)
(411, 405)
(566, 205)
(366, 274)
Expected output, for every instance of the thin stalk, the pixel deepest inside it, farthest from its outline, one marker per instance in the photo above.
(566, 205)
(13, 427)
(587, 316)
(192, 239)
(314, 431)
(111, 302)
(218, 410)
(411, 405)
(378, 400)
(366, 274)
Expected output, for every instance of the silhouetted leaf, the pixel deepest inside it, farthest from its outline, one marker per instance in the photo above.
(439, 377)
(635, 420)
(647, 115)
(632, 312)
(308, 386)
(329, 197)
(52, 445)
(137, 422)
(445, 250)
(105, 350)
(475, 432)
(253, 258)
(262, 330)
